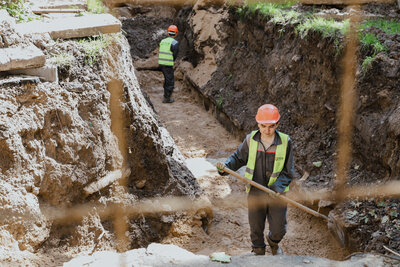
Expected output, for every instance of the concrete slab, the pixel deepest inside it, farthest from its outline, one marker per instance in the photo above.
(73, 27)
(6, 18)
(56, 10)
(60, 4)
(47, 73)
(13, 58)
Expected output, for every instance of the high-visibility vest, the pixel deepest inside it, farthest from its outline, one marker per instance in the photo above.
(279, 162)
(165, 55)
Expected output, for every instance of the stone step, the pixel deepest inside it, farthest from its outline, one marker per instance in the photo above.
(73, 27)
(13, 58)
(61, 4)
(56, 10)
(47, 73)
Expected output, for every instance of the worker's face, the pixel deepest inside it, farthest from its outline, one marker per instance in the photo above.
(268, 129)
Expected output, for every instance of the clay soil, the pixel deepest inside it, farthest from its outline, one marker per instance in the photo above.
(198, 135)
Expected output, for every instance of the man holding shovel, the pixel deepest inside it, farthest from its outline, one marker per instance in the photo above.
(268, 157)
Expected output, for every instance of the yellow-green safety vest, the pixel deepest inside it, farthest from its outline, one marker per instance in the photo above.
(279, 162)
(165, 55)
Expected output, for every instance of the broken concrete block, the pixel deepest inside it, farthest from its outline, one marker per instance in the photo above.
(47, 73)
(13, 58)
(106, 181)
(73, 27)
(19, 80)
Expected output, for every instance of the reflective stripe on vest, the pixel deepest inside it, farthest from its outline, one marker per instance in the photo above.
(279, 162)
(165, 55)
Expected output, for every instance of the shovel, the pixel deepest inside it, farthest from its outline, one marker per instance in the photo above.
(333, 225)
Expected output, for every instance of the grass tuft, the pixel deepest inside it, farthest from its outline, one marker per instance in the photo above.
(327, 27)
(62, 59)
(19, 9)
(96, 46)
(96, 7)
(369, 39)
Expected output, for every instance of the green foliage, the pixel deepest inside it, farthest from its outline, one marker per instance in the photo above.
(229, 76)
(328, 27)
(96, 46)
(369, 39)
(220, 100)
(19, 9)
(388, 26)
(96, 7)
(276, 11)
(62, 59)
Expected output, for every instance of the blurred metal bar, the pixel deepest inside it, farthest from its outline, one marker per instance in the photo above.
(348, 96)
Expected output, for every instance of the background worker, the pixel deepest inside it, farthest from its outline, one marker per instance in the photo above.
(268, 157)
(167, 54)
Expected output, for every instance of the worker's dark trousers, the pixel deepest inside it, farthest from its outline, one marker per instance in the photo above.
(261, 207)
(168, 72)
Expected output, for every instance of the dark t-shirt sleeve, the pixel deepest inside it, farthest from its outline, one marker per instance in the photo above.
(175, 49)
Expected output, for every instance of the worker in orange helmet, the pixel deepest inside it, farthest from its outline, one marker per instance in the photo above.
(167, 54)
(268, 157)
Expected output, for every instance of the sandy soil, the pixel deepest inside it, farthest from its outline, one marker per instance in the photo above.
(198, 135)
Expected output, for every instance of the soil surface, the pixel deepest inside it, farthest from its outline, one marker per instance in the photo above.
(204, 141)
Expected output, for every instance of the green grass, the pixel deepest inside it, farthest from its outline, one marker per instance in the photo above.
(278, 12)
(388, 26)
(96, 7)
(96, 46)
(62, 59)
(327, 27)
(219, 101)
(370, 40)
(367, 62)
(282, 14)
(19, 9)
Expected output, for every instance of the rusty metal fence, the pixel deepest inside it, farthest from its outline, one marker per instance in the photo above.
(341, 192)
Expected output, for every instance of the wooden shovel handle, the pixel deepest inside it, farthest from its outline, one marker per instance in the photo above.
(269, 191)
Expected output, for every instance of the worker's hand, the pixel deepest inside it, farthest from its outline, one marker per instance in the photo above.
(220, 166)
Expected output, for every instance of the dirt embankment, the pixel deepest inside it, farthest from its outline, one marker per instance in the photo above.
(57, 138)
(239, 63)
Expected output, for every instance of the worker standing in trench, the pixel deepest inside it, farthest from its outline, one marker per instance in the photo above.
(167, 54)
(268, 156)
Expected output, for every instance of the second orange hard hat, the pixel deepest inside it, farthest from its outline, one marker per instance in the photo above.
(173, 29)
(268, 114)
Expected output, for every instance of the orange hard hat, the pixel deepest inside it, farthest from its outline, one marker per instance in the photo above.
(267, 114)
(172, 29)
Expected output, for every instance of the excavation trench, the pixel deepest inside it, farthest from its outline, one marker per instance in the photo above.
(232, 63)
(204, 141)
(205, 135)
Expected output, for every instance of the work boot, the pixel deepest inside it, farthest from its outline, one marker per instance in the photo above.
(168, 100)
(258, 251)
(275, 249)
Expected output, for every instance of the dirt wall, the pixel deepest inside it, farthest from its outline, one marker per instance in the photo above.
(58, 138)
